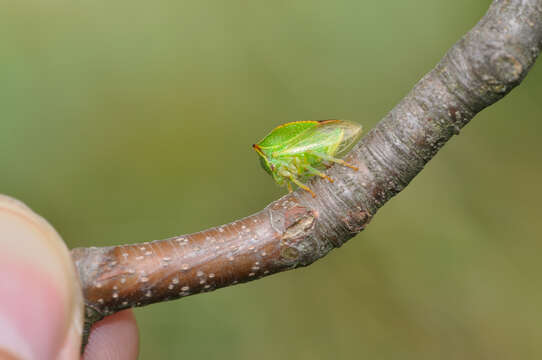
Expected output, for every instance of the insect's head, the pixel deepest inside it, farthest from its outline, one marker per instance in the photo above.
(268, 167)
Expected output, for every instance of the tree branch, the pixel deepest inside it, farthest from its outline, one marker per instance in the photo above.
(481, 68)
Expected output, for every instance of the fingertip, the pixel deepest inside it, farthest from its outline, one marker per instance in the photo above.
(116, 337)
(41, 300)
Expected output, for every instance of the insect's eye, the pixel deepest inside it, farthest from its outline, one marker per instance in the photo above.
(272, 167)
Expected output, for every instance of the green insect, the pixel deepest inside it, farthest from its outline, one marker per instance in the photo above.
(295, 151)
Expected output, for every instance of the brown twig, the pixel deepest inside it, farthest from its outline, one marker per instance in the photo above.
(482, 67)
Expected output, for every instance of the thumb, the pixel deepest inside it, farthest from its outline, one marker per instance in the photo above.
(40, 301)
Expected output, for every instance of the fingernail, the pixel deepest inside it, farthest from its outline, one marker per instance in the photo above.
(12, 344)
(39, 294)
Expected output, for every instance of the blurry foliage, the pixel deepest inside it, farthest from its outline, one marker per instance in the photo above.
(130, 121)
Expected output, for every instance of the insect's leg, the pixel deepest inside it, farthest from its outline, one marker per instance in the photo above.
(297, 182)
(289, 186)
(333, 159)
(300, 165)
(316, 172)
(301, 185)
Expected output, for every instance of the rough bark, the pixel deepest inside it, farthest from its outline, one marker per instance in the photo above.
(481, 68)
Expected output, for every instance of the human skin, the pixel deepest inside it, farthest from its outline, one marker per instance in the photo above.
(41, 305)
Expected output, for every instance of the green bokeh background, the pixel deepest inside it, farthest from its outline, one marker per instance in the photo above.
(129, 121)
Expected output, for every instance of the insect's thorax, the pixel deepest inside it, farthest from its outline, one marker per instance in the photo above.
(295, 165)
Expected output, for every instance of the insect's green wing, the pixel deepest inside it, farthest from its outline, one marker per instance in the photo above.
(285, 133)
(331, 137)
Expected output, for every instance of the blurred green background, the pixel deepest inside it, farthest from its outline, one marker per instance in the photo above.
(128, 121)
